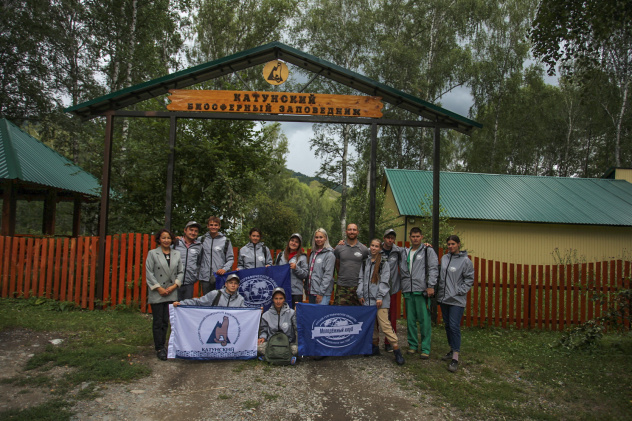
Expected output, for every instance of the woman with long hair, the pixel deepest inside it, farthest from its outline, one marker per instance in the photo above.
(374, 290)
(296, 258)
(321, 269)
(455, 280)
(164, 273)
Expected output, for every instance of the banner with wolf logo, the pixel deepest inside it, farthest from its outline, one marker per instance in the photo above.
(334, 330)
(256, 285)
(213, 333)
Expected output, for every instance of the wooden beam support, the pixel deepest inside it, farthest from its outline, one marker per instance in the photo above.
(50, 213)
(76, 216)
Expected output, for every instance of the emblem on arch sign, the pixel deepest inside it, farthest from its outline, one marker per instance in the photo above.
(275, 72)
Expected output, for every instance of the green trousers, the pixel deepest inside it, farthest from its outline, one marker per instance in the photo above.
(417, 312)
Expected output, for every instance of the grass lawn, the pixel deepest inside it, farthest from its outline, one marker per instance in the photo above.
(520, 374)
(99, 346)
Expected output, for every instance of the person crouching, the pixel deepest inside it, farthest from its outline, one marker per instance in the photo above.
(228, 296)
(279, 318)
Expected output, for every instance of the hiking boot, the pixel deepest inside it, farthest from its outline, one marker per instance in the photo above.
(424, 356)
(399, 358)
(447, 357)
(453, 366)
(162, 354)
(411, 351)
(388, 347)
(376, 350)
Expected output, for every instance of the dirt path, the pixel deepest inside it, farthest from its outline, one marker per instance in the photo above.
(349, 388)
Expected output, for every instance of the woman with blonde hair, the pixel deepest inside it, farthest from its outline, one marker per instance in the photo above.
(321, 269)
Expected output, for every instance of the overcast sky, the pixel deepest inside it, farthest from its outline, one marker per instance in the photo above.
(301, 159)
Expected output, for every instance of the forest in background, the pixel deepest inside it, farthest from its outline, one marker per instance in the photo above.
(59, 53)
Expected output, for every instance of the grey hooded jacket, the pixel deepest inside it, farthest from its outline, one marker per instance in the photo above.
(321, 277)
(457, 277)
(395, 258)
(254, 256)
(213, 258)
(372, 292)
(191, 257)
(273, 322)
(299, 274)
(226, 300)
(415, 280)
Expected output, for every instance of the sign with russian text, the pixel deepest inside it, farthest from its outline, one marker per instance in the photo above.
(275, 103)
(213, 333)
(256, 284)
(334, 330)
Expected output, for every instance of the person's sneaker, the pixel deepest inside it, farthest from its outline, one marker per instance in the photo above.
(453, 366)
(293, 361)
(411, 351)
(388, 347)
(424, 356)
(376, 350)
(162, 354)
(399, 358)
(447, 357)
(319, 358)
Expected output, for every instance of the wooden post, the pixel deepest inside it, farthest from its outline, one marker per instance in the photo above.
(50, 212)
(9, 203)
(372, 175)
(170, 168)
(105, 202)
(76, 216)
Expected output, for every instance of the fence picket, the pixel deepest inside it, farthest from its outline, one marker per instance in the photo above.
(137, 263)
(489, 283)
(23, 286)
(475, 287)
(590, 290)
(143, 286)
(4, 266)
(28, 265)
(569, 293)
(94, 248)
(49, 268)
(14, 255)
(540, 288)
(496, 293)
(78, 271)
(57, 273)
(121, 280)
(129, 284)
(532, 294)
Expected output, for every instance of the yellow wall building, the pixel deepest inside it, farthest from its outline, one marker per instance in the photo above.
(523, 219)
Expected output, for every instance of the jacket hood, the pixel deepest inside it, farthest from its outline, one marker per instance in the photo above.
(252, 246)
(462, 253)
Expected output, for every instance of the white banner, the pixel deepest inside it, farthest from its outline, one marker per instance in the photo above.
(213, 333)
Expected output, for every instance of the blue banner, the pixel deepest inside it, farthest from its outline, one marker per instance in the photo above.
(256, 285)
(334, 330)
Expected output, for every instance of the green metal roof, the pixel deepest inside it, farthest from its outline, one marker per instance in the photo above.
(27, 159)
(517, 198)
(261, 55)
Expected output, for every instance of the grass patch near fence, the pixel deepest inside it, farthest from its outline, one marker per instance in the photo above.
(97, 346)
(520, 374)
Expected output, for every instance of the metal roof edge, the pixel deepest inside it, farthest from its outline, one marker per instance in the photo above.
(13, 164)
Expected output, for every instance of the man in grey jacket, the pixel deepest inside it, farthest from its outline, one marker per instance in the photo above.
(191, 254)
(394, 255)
(217, 255)
(419, 270)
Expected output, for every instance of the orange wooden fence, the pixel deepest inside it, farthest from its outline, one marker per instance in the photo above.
(504, 294)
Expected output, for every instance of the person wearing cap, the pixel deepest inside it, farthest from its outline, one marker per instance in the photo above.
(296, 258)
(191, 254)
(393, 255)
(279, 318)
(349, 254)
(228, 296)
(217, 255)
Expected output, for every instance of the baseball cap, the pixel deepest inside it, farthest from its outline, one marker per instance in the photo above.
(193, 224)
(278, 289)
(232, 277)
(297, 235)
(389, 231)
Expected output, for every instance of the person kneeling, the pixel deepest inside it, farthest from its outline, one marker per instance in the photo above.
(279, 318)
(228, 296)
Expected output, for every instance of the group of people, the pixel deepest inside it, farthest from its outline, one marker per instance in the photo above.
(365, 276)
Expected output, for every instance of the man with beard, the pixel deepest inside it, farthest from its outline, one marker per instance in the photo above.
(350, 254)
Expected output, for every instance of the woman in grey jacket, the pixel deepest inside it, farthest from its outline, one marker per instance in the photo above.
(279, 318)
(294, 255)
(456, 279)
(164, 274)
(374, 290)
(321, 269)
(254, 254)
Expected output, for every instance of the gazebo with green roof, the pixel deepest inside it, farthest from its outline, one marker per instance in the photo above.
(30, 170)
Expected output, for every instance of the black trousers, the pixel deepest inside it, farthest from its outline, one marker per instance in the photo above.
(185, 292)
(296, 299)
(160, 312)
